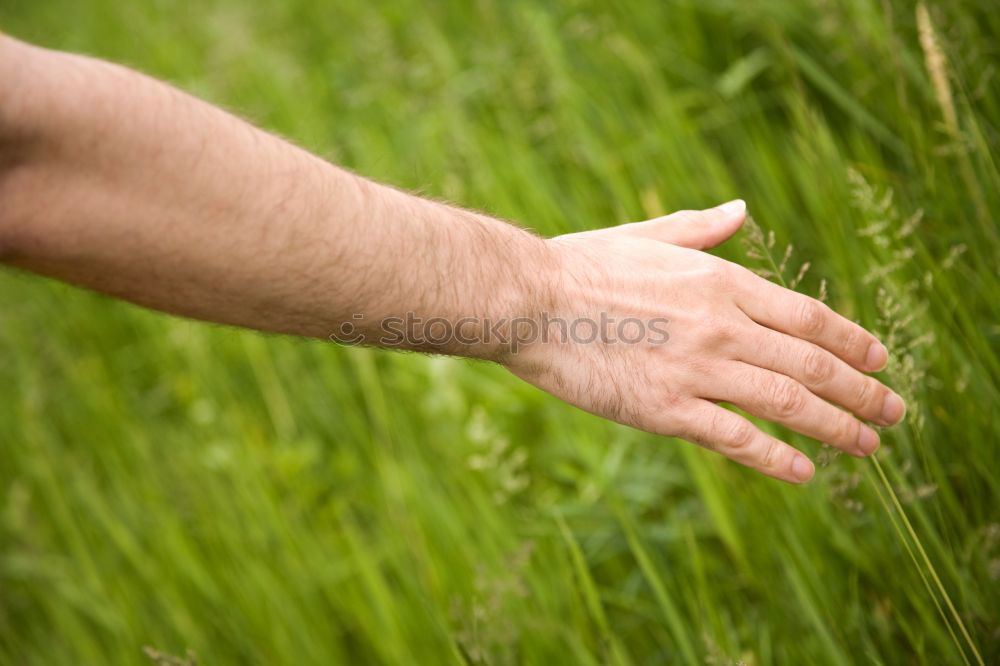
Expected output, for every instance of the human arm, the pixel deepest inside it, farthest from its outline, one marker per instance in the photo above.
(117, 182)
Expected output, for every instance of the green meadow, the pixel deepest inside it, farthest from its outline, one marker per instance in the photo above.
(177, 492)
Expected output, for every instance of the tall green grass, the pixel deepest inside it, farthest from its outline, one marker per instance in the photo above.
(266, 500)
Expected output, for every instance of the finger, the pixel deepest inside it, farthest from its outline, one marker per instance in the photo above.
(822, 373)
(783, 400)
(806, 318)
(695, 229)
(736, 438)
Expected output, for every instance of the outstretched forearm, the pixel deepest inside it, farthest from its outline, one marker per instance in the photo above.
(123, 184)
(114, 181)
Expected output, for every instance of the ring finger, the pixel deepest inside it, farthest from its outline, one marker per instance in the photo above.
(781, 399)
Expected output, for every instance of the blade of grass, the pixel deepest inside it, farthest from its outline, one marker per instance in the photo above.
(651, 573)
(927, 561)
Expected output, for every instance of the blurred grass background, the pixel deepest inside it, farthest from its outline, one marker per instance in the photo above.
(263, 500)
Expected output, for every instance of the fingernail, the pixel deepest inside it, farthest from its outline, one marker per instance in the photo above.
(733, 207)
(892, 409)
(802, 468)
(867, 441)
(877, 357)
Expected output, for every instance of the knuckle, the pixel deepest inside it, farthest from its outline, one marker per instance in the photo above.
(737, 435)
(721, 331)
(817, 367)
(845, 432)
(852, 341)
(740, 276)
(722, 275)
(786, 399)
(770, 454)
(811, 317)
(867, 391)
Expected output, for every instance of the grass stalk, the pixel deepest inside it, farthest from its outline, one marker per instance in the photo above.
(927, 561)
(762, 247)
(916, 563)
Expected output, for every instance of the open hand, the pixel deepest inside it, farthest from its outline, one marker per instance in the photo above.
(733, 337)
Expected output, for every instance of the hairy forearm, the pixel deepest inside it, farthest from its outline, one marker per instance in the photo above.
(114, 181)
(117, 182)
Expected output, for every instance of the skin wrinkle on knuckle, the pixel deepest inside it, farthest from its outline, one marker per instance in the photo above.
(734, 436)
(740, 437)
(856, 342)
(786, 399)
(845, 432)
(811, 317)
(770, 454)
(720, 331)
(866, 394)
(817, 367)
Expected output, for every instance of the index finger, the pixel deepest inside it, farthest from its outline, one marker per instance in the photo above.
(796, 314)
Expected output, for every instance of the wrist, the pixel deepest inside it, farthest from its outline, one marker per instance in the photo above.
(510, 289)
(532, 298)
(575, 303)
(470, 278)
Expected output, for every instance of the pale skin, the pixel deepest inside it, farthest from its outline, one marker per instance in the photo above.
(119, 183)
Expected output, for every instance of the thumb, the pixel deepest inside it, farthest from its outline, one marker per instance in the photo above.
(695, 229)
